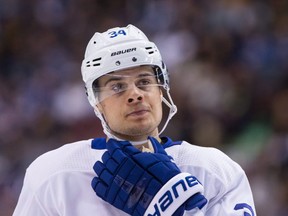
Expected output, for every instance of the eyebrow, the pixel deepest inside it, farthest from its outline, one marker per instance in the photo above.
(112, 79)
(115, 77)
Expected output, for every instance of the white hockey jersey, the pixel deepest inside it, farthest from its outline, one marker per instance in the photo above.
(59, 182)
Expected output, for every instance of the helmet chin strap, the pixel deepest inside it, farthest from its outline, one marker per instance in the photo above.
(109, 134)
(172, 108)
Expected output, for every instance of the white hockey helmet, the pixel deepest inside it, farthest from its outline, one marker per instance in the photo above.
(116, 49)
(121, 48)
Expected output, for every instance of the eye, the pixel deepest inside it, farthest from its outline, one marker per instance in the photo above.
(117, 87)
(144, 82)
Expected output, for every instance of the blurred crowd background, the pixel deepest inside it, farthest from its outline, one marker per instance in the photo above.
(228, 63)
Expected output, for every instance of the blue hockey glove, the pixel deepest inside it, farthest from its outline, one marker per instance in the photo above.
(141, 183)
(166, 171)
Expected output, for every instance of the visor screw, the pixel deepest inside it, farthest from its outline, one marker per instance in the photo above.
(117, 63)
(134, 59)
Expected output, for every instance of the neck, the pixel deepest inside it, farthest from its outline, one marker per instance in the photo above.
(133, 142)
(143, 145)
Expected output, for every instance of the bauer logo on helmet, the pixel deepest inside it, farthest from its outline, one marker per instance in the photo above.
(123, 51)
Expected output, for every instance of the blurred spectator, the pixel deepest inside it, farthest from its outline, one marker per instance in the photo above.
(228, 60)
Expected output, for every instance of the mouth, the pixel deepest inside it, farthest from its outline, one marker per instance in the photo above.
(138, 113)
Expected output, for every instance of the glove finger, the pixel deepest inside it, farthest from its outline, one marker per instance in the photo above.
(94, 183)
(113, 147)
(147, 196)
(103, 173)
(142, 158)
(99, 187)
(98, 167)
(113, 144)
(129, 188)
(158, 165)
(130, 150)
(119, 179)
(137, 192)
(109, 162)
(164, 173)
(106, 156)
(134, 177)
(145, 159)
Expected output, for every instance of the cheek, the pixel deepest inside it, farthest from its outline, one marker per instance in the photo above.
(158, 109)
(110, 112)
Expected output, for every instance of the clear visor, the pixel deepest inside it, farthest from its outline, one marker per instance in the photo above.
(113, 85)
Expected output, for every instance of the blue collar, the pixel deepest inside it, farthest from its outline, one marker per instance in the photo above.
(100, 143)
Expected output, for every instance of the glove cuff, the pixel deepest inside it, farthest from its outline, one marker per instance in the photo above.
(173, 194)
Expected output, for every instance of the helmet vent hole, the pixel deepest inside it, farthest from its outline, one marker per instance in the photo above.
(149, 49)
(96, 62)
(97, 59)
(88, 64)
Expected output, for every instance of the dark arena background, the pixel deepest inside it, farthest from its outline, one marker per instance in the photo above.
(229, 78)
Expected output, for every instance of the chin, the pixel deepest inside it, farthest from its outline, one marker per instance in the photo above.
(138, 131)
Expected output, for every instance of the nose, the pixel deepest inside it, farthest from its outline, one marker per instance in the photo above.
(135, 95)
(131, 100)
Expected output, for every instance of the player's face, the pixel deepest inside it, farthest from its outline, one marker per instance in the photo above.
(131, 102)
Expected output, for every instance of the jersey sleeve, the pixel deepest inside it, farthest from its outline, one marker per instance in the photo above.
(235, 198)
(225, 183)
(28, 204)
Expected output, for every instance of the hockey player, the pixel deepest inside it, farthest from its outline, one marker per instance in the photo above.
(132, 171)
